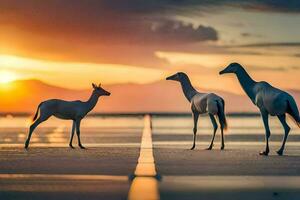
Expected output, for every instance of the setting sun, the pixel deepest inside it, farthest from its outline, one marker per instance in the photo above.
(7, 76)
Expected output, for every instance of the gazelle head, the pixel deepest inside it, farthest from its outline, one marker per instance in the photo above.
(179, 76)
(231, 68)
(99, 90)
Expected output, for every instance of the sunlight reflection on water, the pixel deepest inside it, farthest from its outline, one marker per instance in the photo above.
(103, 130)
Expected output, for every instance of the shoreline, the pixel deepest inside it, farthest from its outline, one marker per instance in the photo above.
(134, 114)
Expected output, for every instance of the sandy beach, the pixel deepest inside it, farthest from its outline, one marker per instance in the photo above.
(51, 170)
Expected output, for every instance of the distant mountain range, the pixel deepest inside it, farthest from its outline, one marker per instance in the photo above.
(161, 96)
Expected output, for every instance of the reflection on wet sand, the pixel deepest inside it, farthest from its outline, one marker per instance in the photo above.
(54, 183)
(57, 136)
(230, 182)
(77, 177)
(144, 188)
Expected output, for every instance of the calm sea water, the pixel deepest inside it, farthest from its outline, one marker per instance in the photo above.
(96, 130)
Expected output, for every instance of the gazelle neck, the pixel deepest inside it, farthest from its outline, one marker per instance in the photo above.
(247, 83)
(92, 101)
(187, 88)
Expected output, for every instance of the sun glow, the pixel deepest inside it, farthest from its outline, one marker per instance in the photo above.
(7, 76)
(79, 75)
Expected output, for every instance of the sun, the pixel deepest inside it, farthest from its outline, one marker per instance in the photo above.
(7, 76)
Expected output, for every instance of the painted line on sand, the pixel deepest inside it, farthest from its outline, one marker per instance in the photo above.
(75, 177)
(145, 184)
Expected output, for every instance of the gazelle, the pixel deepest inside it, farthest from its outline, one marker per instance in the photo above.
(67, 110)
(203, 103)
(269, 100)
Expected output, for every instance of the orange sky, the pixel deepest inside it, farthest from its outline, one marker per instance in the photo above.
(73, 43)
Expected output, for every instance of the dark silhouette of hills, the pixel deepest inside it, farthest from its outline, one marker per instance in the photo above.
(160, 96)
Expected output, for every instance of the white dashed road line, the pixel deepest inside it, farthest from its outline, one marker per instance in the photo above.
(145, 184)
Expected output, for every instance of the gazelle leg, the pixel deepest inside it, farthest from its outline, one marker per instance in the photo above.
(72, 134)
(222, 138)
(78, 133)
(287, 129)
(215, 125)
(222, 134)
(33, 127)
(265, 118)
(195, 117)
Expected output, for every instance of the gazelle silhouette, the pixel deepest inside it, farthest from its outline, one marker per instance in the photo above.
(68, 110)
(269, 100)
(203, 103)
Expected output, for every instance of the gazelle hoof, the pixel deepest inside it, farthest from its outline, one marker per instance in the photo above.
(279, 152)
(264, 153)
(222, 147)
(82, 147)
(71, 146)
(192, 148)
(26, 145)
(209, 148)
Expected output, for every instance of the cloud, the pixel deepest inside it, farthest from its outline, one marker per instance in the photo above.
(168, 6)
(261, 68)
(112, 31)
(120, 32)
(109, 22)
(272, 6)
(295, 67)
(177, 31)
(275, 44)
(124, 21)
(245, 34)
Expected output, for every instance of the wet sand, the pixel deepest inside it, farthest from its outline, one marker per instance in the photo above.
(51, 170)
(238, 172)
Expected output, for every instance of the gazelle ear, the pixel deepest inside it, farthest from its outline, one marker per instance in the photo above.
(99, 85)
(94, 85)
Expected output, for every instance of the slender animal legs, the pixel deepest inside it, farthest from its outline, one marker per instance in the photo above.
(195, 116)
(215, 125)
(72, 134)
(287, 129)
(265, 118)
(222, 134)
(78, 133)
(222, 138)
(33, 126)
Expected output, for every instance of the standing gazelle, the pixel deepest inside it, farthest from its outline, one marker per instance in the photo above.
(269, 100)
(203, 103)
(68, 110)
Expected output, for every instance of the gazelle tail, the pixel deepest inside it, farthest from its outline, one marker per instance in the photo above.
(37, 112)
(293, 110)
(221, 114)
